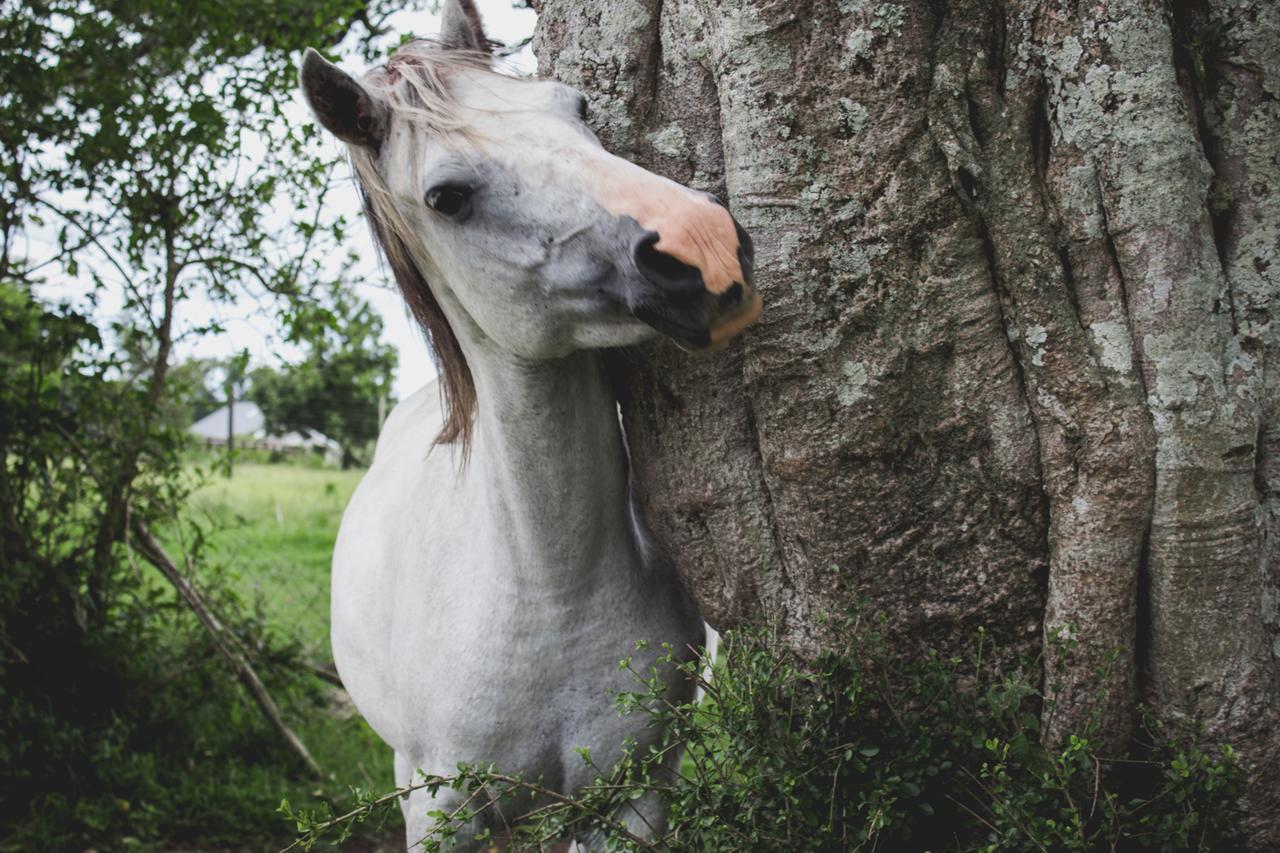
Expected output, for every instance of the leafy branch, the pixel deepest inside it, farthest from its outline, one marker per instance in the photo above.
(863, 748)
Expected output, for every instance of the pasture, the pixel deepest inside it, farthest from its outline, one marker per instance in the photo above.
(270, 530)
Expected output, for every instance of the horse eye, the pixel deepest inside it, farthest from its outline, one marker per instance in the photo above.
(449, 200)
(582, 107)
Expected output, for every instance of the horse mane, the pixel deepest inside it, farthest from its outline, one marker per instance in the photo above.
(413, 83)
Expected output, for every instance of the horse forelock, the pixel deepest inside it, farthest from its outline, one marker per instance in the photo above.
(414, 84)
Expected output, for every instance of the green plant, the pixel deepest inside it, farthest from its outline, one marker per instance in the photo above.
(865, 747)
(119, 722)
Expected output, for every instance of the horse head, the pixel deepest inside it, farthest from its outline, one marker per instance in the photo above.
(508, 225)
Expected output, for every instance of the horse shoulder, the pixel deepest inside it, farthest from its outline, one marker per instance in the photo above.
(379, 540)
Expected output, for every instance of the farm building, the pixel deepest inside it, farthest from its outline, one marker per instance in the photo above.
(245, 421)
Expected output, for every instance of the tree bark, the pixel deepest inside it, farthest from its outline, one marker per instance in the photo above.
(1017, 367)
(111, 524)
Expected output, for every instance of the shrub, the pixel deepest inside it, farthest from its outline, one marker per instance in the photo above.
(119, 723)
(865, 748)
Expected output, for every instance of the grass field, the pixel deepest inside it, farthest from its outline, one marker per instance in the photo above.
(271, 529)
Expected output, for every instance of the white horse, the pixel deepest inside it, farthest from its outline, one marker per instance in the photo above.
(486, 584)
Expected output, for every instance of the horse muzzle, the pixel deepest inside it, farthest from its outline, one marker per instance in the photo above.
(695, 310)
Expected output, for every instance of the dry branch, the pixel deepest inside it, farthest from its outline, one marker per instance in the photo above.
(151, 550)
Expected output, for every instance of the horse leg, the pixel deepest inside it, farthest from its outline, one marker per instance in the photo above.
(645, 818)
(416, 808)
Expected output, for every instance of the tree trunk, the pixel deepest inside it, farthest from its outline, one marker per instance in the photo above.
(1017, 367)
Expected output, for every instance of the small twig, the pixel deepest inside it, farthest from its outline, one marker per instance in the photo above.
(1097, 783)
(988, 824)
(513, 783)
(1016, 824)
(324, 674)
(514, 48)
(368, 808)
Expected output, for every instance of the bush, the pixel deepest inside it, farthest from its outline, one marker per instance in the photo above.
(119, 722)
(864, 748)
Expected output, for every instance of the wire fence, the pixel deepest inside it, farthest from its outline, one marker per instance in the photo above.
(293, 607)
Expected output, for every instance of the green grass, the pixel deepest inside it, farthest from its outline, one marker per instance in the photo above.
(270, 529)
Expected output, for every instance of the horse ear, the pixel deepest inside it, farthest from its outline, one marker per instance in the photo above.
(347, 109)
(460, 26)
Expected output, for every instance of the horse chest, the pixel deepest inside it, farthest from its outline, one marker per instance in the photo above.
(442, 638)
(478, 624)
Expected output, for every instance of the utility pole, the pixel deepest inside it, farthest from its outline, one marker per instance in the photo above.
(236, 367)
(231, 422)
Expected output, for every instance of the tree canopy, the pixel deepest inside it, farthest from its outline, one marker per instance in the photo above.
(339, 389)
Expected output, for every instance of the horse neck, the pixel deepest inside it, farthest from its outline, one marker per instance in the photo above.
(551, 463)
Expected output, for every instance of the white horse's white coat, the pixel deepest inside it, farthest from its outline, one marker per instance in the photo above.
(480, 606)
(481, 617)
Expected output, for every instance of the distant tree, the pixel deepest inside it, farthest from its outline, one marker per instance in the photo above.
(192, 391)
(339, 389)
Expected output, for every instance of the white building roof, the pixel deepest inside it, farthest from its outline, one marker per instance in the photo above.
(248, 420)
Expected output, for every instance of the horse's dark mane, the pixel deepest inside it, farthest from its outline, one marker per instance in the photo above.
(412, 82)
(456, 384)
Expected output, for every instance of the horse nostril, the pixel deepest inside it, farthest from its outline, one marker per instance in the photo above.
(730, 297)
(662, 269)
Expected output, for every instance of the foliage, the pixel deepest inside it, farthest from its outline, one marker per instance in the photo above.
(148, 139)
(339, 388)
(151, 157)
(64, 665)
(126, 728)
(192, 393)
(64, 421)
(126, 131)
(863, 748)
